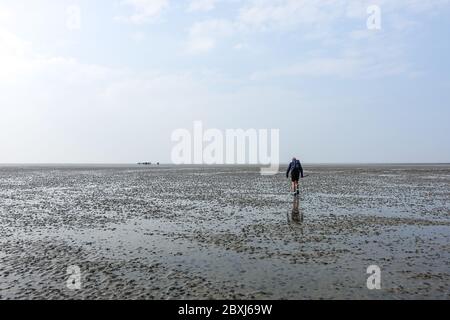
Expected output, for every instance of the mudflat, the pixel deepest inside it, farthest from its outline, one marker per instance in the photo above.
(224, 232)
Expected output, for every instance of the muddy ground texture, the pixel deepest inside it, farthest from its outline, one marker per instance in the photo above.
(224, 232)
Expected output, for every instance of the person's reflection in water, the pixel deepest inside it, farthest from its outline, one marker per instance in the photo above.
(296, 216)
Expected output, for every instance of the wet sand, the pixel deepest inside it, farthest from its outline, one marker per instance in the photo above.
(224, 232)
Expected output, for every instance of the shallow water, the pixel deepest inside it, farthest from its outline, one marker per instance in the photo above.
(224, 232)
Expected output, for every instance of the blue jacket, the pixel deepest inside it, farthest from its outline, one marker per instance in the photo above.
(295, 165)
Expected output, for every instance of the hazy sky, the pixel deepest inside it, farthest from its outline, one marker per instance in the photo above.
(111, 83)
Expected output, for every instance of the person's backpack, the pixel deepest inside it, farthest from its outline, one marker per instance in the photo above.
(297, 165)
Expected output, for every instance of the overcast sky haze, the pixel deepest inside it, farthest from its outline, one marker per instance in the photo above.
(112, 86)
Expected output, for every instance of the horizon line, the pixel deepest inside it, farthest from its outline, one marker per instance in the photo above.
(209, 165)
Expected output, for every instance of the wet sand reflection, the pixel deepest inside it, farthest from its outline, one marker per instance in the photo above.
(296, 215)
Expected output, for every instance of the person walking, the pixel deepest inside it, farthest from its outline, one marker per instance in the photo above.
(296, 170)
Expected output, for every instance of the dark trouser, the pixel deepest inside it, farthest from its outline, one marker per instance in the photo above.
(295, 175)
